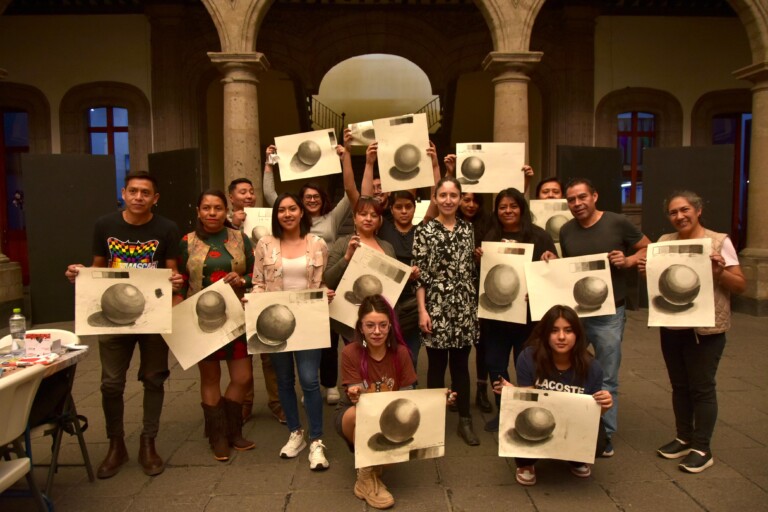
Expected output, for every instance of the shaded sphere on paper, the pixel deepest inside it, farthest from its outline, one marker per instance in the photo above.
(366, 285)
(502, 284)
(473, 168)
(535, 423)
(211, 309)
(590, 292)
(554, 224)
(275, 324)
(258, 232)
(309, 153)
(122, 303)
(400, 420)
(679, 284)
(407, 158)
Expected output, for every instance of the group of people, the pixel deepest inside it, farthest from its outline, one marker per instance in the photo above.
(437, 309)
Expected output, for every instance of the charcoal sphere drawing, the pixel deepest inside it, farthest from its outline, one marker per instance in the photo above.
(535, 424)
(502, 284)
(211, 309)
(554, 224)
(309, 153)
(364, 286)
(679, 284)
(400, 420)
(122, 303)
(590, 292)
(407, 158)
(258, 232)
(473, 168)
(275, 325)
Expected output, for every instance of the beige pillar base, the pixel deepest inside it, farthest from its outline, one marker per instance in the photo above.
(754, 300)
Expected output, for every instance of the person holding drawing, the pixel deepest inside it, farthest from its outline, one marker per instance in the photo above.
(294, 259)
(117, 240)
(556, 357)
(549, 188)
(216, 251)
(378, 360)
(512, 223)
(592, 231)
(325, 221)
(692, 355)
(445, 290)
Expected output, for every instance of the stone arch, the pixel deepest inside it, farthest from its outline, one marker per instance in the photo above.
(74, 121)
(666, 108)
(510, 23)
(35, 104)
(754, 17)
(714, 103)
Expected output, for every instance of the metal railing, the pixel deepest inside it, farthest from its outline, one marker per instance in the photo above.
(434, 112)
(322, 116)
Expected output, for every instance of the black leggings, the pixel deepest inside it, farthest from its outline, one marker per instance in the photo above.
(329, 362)
(458, 361)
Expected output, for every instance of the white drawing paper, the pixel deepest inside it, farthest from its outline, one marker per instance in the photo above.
(398, 426)
(307, 155)
(258, 223)
(680, 286)
(369, 272)
(287, 321)
(420, 211)
(123, 301)
(363, 133)
(204, 323)
(550, 215)
(542, 424)
(402, 154)
(583, 283)
(503, 287)
(487, 167)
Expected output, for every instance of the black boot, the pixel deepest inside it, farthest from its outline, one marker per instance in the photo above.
(481, 397)
(467, 432)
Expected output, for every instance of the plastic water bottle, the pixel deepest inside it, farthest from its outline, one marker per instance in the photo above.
(18, 326)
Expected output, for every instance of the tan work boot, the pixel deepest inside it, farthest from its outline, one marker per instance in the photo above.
(371, 489)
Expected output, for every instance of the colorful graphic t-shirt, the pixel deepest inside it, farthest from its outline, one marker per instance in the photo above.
(126, 245)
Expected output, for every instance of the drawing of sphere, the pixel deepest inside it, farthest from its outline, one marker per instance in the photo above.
(473, 168)
(400, 420)
(554, 224)
(679, 284)
(590, 292)
(535, 424)
(122, 303)
(407, 158)
(259, 232)
(368, 134)
(502, 284)
(275, 324)
(309, 152)
(366, 285)
(211, 311)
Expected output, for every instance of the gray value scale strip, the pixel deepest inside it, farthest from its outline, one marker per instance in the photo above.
(586, 266)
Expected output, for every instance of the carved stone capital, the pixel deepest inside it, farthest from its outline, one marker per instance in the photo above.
(240, 67)
(755, 73)
(512, 64)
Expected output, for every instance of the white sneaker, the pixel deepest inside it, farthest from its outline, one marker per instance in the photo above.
(317, 460)
(332, 396)
(295, 444)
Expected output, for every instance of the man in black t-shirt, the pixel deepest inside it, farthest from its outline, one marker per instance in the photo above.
(133, 238)
(592, 231)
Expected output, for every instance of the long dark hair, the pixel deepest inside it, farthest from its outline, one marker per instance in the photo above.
(481, 222)
(378, 304)
(542, 352)
(324, 197)
(526, 222)
(199, 230)
(305, 224)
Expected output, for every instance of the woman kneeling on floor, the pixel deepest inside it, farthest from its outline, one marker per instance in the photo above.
(556, 353)
(378, 360)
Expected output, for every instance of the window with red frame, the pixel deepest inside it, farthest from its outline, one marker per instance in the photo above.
(636, 131)
(108, 135)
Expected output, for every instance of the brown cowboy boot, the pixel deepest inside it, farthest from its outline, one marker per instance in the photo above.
(216, 429)
(235, 426)
(117, 455)
(150, 461)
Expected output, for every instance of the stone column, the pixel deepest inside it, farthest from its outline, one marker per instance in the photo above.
(754, 259)
(242, 150)
(510, 86)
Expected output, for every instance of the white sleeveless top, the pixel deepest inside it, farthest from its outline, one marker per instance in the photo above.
(295, 273)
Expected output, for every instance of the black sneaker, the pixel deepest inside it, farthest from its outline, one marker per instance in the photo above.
(493, 425)
(674, 449)
(696, 462)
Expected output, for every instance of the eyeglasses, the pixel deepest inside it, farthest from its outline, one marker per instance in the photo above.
(312, 197)
(371, 327)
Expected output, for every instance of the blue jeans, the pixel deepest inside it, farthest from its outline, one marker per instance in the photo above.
(605, 334)
(502, 339)
(308, 364)
(413, 340)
